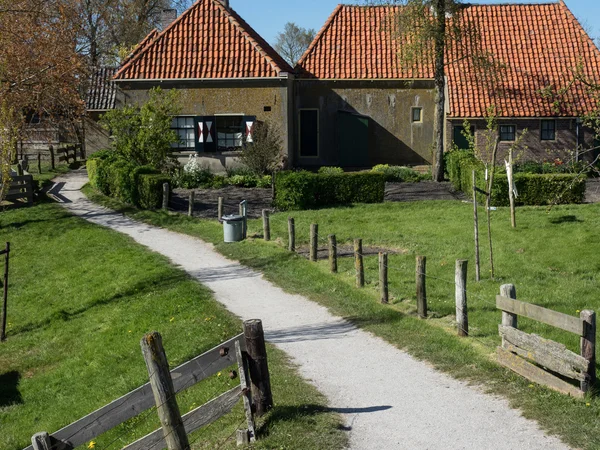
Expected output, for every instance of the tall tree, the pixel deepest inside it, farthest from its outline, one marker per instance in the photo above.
(426, 30)
(293, 42)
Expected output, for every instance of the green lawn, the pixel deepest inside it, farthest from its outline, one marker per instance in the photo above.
(551, 258)
(81, 297)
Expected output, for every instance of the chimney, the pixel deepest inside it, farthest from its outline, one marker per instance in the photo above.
(225, 3)
(167, 16)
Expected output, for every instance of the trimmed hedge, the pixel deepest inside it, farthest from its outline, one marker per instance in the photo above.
(139, 185)
(306, 190)
(533, 189)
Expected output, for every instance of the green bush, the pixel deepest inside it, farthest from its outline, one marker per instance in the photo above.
(120, 181)
(97, 168)
(150, 190)
(306, 190)
(328, 170)
(395, 174)
(135, 175)
(532, 188)
(264, 181)
(218, 182)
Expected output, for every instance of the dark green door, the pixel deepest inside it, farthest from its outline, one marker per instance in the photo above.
(353, 139)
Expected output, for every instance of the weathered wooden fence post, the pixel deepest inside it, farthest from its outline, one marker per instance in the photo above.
(20, 171)
(244, 214)
(51, 148)
(314, 241)
(191, 204)
(41, 441)
(291, 235)
(358, 263)
(266, 225)
(257, 366)
(462, 319)
(332, 244)
(588, 348)
(219, 208)
(165, 200)
(383, 278)
(421, 289)
(509, 319)
(164, 393)
(39, 160)
(5, 292)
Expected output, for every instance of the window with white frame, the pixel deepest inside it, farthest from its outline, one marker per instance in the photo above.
(184, 127)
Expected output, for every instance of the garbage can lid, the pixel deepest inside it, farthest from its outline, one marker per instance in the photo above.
(232, 218)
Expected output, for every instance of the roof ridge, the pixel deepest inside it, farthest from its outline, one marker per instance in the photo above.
(247, 31)
(320, 34)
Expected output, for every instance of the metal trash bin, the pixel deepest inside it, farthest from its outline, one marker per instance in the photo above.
(233, 228)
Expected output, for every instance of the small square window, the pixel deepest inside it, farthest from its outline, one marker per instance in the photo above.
(507, 132)
(417, 114)
(548, 128)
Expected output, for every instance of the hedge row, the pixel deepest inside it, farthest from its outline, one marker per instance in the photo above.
(533, 189)
(138, 185)
(306, 190)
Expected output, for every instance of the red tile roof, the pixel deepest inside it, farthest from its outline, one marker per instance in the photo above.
(207, 41)
(538, 44)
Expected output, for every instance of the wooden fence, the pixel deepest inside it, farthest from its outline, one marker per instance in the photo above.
(553, 361)
(67, 153)
(247, 350)
(21, 189)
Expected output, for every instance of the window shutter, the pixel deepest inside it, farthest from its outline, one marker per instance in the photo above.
(249, 123)
(206, 134)
(199, 133)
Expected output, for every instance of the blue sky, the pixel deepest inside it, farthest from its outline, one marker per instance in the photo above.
(268, 17)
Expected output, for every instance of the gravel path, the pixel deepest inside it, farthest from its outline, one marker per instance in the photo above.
(388, 399)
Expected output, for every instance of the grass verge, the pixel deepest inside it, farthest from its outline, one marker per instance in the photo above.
(80, 299)
(549, 258)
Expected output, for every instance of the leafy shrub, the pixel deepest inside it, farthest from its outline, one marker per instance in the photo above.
(150, 190)
(97, 165)
(120, 181)
(398, 173)
(533, 188)
(327, 170)
(135, 175)
(243, 170)
(218, 182)
(264, 181)
(242, 180)
(263, 155)
(306, 190)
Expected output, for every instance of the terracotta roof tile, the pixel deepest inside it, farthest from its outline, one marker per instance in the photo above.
(207, 41)
(538, 44)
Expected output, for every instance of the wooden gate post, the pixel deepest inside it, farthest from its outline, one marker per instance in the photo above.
(291, 235)
(257, 366)
(588, 348)
(460, 278)
(314, 241)
(383, 278)
(39, 160)
(5, 292)
(266, 225)
(191, 204)
(164, 393)
(165, 201)
(509, 319)
(332, 244)
(219, 208)
(51, 148)
(421, 290)
(358, 263)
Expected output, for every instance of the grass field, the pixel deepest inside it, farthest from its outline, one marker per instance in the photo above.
(550, 257)
(81, 297)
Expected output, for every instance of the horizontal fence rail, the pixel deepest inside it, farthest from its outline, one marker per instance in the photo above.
(21, 188)
(142, 399)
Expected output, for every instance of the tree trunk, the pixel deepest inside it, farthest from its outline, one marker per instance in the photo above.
(440, 94)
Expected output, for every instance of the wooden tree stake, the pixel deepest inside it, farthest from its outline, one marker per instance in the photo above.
(383, 278)
(462, 319)
(5, 292)
(258, 367)
(39, 159)
(191, 204)
(51, 148)
(220, 208)
(588, 348)
(164, 393)
(266, 225)
(291, 235)
(314, 241)
(358, 263)
(511, 186)
(333, 267)
(420, 273)
(165, 202)
(476, 223)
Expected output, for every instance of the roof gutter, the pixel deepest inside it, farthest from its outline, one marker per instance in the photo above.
(284, 76)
